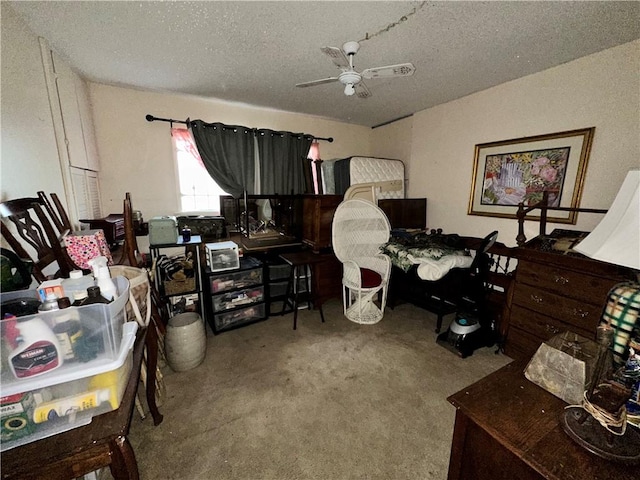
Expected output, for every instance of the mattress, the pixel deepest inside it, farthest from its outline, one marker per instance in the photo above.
(387, 173)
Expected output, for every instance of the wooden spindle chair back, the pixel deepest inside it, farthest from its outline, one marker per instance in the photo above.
(34, 231)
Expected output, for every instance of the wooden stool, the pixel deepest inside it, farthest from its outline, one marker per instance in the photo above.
(299, 262)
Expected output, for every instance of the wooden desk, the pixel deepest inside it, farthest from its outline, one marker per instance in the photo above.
(101, 443)
(509, 428)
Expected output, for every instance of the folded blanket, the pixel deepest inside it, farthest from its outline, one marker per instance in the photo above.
(434, 259)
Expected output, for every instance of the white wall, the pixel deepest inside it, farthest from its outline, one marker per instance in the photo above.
(136, 156)
(601, 90)
(29, 156)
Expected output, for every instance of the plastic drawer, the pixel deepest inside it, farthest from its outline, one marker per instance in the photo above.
(239, 317)
(230, 281)
(278, 289)
(280, 271)
(237, 298)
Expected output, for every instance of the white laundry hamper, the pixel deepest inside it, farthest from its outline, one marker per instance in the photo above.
(185, 341)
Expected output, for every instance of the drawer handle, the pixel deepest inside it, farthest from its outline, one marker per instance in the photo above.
(580, 313)
(561, 280)
(552, 329)
(536, 298)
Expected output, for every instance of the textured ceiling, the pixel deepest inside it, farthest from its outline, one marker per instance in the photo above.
(255, 52)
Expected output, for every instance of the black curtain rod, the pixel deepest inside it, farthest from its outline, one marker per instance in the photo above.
(151, 118)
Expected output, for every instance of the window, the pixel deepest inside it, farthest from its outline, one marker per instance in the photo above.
(198, 191)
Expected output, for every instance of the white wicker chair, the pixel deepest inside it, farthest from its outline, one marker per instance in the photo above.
(359, 229)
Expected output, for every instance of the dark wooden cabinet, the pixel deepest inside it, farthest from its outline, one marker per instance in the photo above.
(509, 428)
(553, 293)
(327, 280)
(405, 212)
(318, 213)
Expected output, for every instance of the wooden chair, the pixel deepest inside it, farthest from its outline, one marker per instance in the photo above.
(58, 215)
(130, 246)
(131, 256)
(36, 234)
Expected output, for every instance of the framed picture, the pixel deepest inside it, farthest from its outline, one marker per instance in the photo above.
(508, 172)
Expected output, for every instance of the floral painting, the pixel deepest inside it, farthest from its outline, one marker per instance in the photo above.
(524, 176)
(510, 172)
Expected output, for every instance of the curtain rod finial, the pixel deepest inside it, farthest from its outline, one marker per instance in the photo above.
(150, 118)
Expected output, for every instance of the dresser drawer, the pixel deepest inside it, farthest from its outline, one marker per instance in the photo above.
(573, 312)
(581, 286)
(543, 326)
(521, 345)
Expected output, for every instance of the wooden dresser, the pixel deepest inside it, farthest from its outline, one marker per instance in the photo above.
(509, 428)
(553, 293)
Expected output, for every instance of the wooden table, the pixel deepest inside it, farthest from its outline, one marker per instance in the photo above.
(101, 443)
(509, 428)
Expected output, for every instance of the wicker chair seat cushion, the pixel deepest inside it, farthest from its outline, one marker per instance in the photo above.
(370, 278)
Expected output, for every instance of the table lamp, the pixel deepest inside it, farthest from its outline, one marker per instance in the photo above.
(600, 423)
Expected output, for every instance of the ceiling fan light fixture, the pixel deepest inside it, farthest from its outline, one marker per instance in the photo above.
(349, 90)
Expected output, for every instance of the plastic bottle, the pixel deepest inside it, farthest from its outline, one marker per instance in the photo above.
(107, 288)
(37, 349)
(79, 298)
(94, 295)
(68, 406)
(97, 263)
(68, 330)
(76, 282)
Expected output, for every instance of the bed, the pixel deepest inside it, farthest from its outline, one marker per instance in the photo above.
(433, 255)
(435, 271)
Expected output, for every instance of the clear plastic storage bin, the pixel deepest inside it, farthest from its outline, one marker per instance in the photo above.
(222, 256)
(68, 340)
(66, 398)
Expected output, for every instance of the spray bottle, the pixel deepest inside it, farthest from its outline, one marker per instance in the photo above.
(103, 277)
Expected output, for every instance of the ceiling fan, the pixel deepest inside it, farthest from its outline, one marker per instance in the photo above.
(350, 78)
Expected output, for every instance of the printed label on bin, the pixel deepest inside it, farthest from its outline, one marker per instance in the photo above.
(38, 358)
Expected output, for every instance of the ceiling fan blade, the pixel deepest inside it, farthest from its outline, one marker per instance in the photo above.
(400, 70)
(361, 90)
(317, 82)
(337, 56)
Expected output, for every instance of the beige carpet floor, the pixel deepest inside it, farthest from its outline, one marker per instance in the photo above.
(328, 401)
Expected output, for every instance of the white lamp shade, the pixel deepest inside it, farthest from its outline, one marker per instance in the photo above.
(616, 239)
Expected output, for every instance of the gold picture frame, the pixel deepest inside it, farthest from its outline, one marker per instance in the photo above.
(510, 171)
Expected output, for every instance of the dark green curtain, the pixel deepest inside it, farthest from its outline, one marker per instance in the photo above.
(283, 162)
(228, 153)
